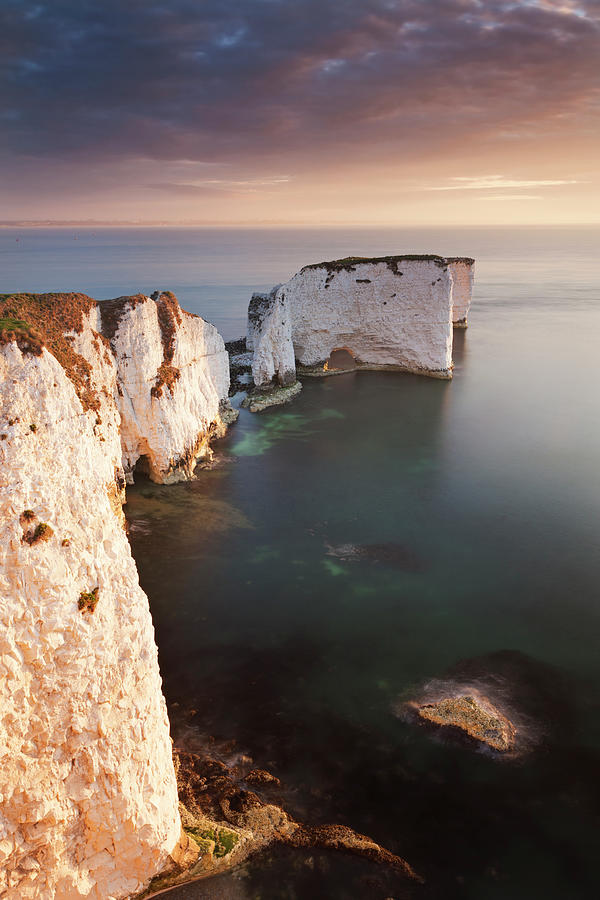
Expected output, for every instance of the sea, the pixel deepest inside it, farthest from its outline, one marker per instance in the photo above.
(479, 499)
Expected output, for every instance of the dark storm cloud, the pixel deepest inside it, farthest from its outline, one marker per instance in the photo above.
(235, 79)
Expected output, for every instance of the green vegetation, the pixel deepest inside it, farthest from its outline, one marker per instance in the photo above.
(28, 515)
(349, 262)
(265, 553)
(47, 320)
(33, 427)
(12, 324)
(205, 845)
(16, 329)
(88, 600)
(224, 839)
(41, 533)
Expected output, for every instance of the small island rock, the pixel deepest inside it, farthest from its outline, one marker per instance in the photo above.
(475, 716)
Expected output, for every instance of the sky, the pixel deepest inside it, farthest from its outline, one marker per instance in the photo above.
(308, 112)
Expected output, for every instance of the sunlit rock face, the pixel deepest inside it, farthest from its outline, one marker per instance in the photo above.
(462, 271)
(89, 800)
(157, 376)
(389, 313)
(172, 383)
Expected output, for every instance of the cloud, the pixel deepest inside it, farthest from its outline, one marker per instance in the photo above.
(233, 79)
(498, 182)
(253, 182)
(511, 197)
(225, 185)
(358, 100)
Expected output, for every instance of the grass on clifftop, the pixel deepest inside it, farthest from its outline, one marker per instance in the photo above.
(348, 262)
(12, 324)
(38, 320)
(28, 340)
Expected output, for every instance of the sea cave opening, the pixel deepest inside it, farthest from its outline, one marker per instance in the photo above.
(142, 466)
(341, 359)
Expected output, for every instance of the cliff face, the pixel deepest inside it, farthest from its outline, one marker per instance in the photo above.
(89, 797)
(461, 269)
(390, 313)
(270, 337)
(89, 800)
(173, 380)
(156, 376)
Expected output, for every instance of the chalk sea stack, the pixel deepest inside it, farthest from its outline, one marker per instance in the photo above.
(387, 313)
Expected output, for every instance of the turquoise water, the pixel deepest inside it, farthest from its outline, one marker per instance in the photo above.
(488, 486)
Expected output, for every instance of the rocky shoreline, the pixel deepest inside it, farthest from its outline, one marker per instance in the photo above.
(231, 812)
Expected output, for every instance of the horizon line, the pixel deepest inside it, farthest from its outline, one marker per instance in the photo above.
(91, 223)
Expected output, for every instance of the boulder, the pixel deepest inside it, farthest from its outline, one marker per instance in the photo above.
(475, 716)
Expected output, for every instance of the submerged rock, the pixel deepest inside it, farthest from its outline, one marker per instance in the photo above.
(387, 552)
(475, 716)
(257, 401)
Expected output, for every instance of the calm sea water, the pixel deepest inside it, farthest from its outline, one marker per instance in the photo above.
(490, 486)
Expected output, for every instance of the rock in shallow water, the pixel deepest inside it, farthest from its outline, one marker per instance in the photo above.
(388, 552)
(474, 716)
(257, 401)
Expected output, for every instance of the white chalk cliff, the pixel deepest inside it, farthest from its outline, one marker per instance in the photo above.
(173, 379)
(270, 338)
(390, 313)
(461, 269)
(88, 798)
